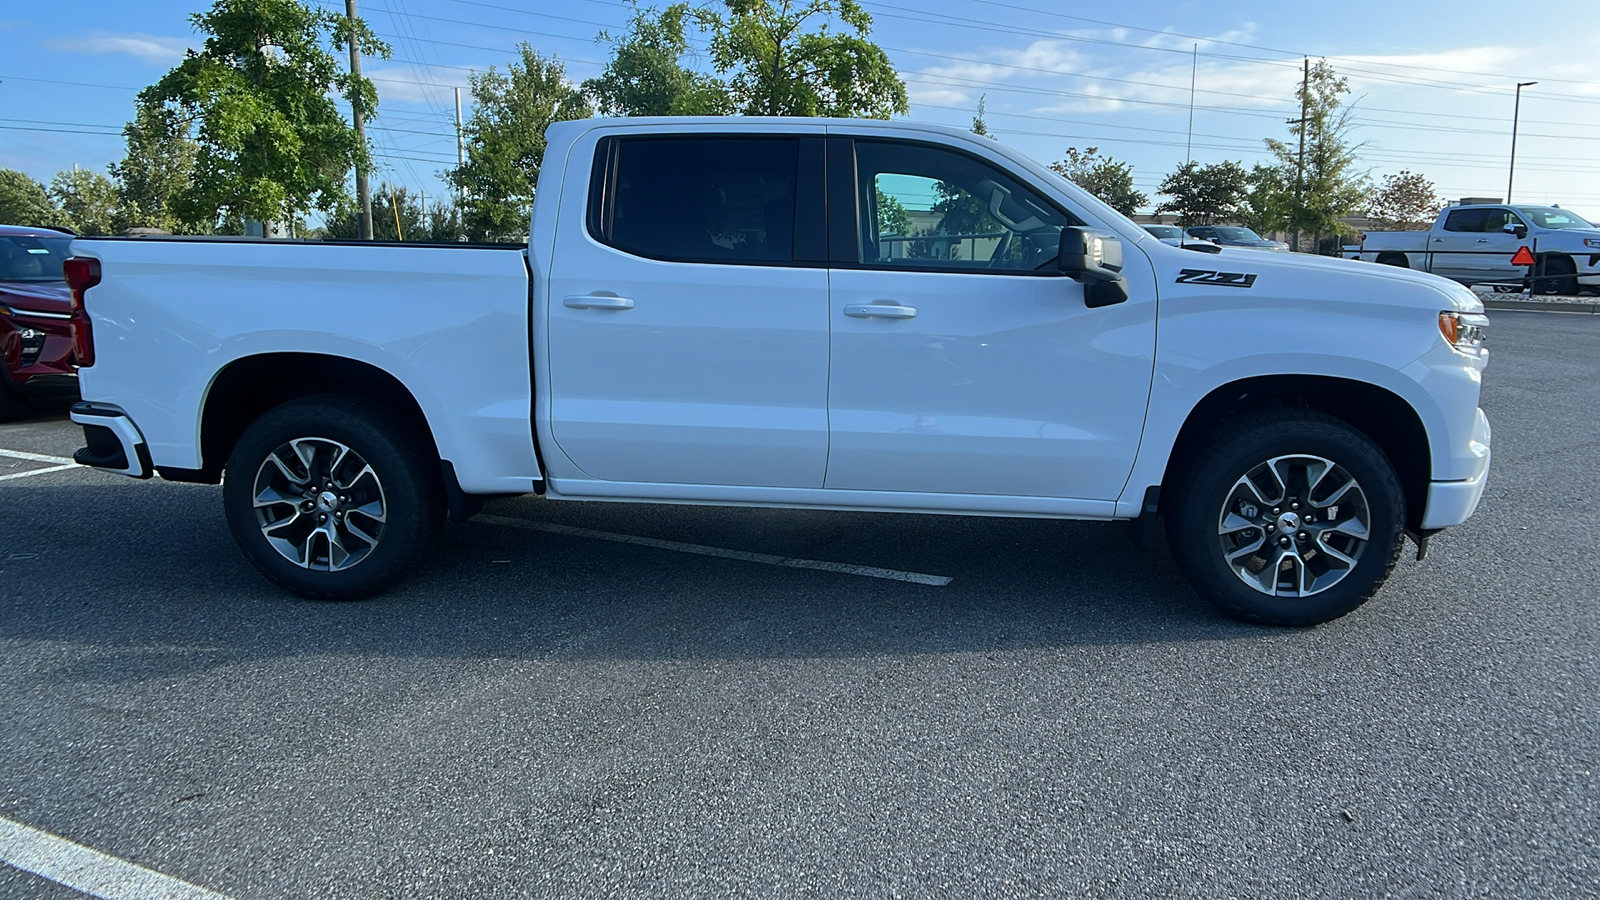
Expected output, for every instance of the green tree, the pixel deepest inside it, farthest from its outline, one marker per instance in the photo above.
(1329, 187)
(444, 222)
(1103, 177)
(979, 124)
(892, 215)
(505, 141)
(646, 75)
(782, 59)
(158, 168)
(1201, 195)
(88, 201)
(1405, 201)
(272, 143)
(389, 204)
(1268, 201)
(24, 201)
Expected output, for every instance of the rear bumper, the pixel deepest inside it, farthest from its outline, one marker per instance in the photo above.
(1453, 502)
(112, 441)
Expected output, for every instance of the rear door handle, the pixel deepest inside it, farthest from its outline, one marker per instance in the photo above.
(1483, 240)
(597, 301)
(880, 311)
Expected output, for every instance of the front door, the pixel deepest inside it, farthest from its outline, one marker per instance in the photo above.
(688, 335)
(963, 362)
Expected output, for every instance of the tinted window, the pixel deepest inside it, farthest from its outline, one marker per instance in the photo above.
(32, 258)
(927, 207)
(1551, 217)
(712, 199)
(1471, 220)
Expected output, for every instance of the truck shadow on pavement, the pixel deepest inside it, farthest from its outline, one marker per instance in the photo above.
(152, 580)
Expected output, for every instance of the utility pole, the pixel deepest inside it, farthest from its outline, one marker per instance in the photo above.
(1194, 69)
(1300, 167)
(461, 163)
(363, 191)
(1516, 114)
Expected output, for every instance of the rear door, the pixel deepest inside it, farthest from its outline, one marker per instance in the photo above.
(688, 323)
(963, 361)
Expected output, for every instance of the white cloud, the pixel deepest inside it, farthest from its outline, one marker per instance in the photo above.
(157, 51)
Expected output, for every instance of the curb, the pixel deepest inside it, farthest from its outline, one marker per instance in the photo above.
(1539, 306)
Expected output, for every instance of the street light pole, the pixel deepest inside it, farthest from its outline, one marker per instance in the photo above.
(1516, 114)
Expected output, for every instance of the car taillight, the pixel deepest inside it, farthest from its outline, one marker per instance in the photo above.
(81, 273)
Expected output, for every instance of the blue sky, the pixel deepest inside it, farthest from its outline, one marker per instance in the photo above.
(1432, 81)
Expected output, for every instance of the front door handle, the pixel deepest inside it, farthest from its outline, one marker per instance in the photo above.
(880, 311)
(597, 301)
(1438, 240)
(1483, 240)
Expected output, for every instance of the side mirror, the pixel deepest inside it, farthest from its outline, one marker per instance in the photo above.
(1094, 259)
(1516, 228)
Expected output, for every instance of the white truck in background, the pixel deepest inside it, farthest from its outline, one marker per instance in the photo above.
(1483, 243)
(722, 311)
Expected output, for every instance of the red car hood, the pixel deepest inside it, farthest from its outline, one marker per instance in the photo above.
(49, 296)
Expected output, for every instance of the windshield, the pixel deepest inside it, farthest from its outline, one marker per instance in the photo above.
(1237, 234)
(32, 259)
(1550, 217)
(1165, 231)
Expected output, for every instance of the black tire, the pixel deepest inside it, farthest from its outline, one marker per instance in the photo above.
(1207, 489)
(1393, 259)
(404, 480)
(12, 406)
(1560, 278)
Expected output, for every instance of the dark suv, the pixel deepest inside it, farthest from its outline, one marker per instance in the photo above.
(35, 312)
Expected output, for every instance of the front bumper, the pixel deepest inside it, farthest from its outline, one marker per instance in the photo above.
(1453, 502)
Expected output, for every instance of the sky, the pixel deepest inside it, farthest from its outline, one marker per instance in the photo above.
(1432, 84)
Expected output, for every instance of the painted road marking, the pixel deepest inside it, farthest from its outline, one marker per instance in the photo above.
(763, 558)
(36, 457)
(90, 871)
(45, 471)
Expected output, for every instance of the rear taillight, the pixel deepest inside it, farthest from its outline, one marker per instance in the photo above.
(81, 273)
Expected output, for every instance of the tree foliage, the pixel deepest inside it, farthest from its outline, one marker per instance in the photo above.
(646, 75)
(781, 58)
(1102, 176)
(505, 138)
(157, 169)
(1201, 195)
(979, 124)
(387, 201)
(272, 142)
(1268, 201)
(892, 215)
(1405, 201)
(1330, 187)
(87, 200)
(24, 201)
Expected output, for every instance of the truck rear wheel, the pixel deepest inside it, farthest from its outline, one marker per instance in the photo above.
(12, 406)
(1393, 259)
(1560, 278)
(1287, 517)
(333, 497)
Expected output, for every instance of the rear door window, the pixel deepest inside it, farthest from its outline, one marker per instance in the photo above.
(700, 199)
(1467, 220)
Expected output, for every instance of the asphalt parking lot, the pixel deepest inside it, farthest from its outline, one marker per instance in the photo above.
(544, 713)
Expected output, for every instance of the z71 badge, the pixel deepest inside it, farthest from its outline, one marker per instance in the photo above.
(1223, 279)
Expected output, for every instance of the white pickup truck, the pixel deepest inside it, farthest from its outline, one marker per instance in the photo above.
(1480, 243)
(721, 311)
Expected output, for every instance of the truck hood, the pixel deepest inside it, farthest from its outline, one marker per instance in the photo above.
(39, 296)
(1324, 277)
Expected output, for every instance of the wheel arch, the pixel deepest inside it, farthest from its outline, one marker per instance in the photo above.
(251, 385)
(1384, 416)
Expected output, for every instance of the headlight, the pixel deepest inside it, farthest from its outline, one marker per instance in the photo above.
(1592, 242)
(1465, 332)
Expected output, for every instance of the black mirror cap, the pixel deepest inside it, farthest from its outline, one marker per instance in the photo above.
(1085, 251)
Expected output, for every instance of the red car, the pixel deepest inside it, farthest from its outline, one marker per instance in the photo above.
(35, 311)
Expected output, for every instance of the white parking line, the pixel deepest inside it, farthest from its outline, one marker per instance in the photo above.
(763, 558)
(45, 471)
(36, 457)
(90, 871)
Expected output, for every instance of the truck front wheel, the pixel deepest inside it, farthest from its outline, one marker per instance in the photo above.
(1560, 277)
(1287, 517)
(333, 496)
